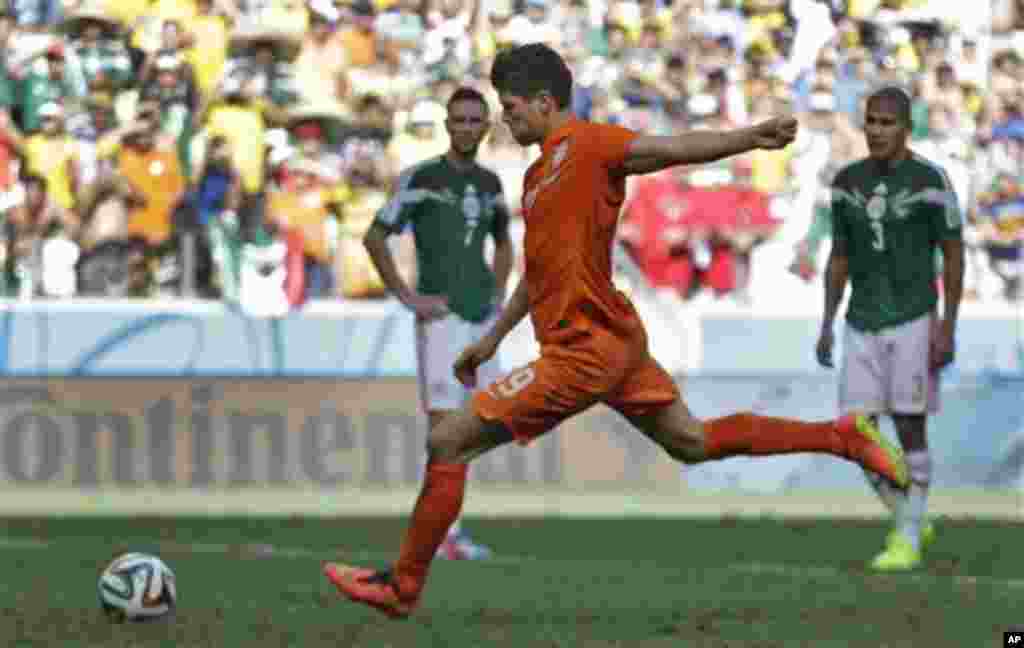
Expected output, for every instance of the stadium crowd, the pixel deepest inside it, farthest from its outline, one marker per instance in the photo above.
(238, 149)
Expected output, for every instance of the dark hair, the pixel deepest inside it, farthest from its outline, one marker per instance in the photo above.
(33, 179)
(527, 70)
(467, 94)
(369, 101)
(898, 98)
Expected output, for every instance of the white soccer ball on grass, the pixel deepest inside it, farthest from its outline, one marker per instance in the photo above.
(137, 587)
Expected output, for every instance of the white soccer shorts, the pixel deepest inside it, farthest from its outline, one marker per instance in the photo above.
(438, 344)
(886, 372)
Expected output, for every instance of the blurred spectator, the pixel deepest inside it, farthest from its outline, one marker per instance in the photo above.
(211, 33)
(854, 82)
(97, 119)
(424, 136)
(218, 187)
(827, 143)
(656, 233)
(448, 43)
(52, 82)
(321, 67)
(370, 133)
(114, 268)
(348, 91)
(217, 199)
(265, 56)
(316, 132)
(40, 253)
(172, 87)
(97, 42)
(400, 27)
(359, 37)
(8, 83)
(270, 271)
(36, 15)
(535, 25)
(357, 276)
(147, 159)
(1001, 221)
(302, 205)
(676, 241)
(241, 116)
(51, 153)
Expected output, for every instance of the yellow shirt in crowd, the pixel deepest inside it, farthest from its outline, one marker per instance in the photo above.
(245, 130)
(211, 50)
(305, 210)
(147, 36)
(49, 157)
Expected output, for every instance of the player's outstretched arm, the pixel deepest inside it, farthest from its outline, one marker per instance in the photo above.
(650, 153)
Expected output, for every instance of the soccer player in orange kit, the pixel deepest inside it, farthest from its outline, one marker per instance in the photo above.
(593, 347)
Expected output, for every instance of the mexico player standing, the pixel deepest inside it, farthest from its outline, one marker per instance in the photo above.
(593, 347)
(891, 212)
(452, 205)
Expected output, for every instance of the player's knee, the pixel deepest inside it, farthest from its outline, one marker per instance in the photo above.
(688, 442)
(457, 439)
(683, 440)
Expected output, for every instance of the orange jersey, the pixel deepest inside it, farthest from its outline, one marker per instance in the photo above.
(571, 201)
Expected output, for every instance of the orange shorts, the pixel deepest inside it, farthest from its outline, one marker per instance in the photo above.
(569, 378)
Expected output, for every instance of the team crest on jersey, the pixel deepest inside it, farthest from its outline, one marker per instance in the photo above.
(471, 205)
(881, 203)
(877, 205)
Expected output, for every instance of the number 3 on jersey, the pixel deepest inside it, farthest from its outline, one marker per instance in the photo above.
(513, 383)
(878, 241)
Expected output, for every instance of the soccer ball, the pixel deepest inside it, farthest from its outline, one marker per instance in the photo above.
(137, 587)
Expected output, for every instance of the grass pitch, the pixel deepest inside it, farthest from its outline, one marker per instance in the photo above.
(255, 582)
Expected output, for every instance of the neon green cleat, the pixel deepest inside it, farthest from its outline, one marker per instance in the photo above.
(866, 445)
(899, 555)
(927, 536)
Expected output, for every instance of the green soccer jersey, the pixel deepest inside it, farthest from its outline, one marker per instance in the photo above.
(893, 222)
(451, 212)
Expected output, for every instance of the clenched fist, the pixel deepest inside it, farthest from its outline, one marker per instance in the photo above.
(775, 133)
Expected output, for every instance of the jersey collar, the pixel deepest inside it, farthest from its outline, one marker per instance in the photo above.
(559, 134)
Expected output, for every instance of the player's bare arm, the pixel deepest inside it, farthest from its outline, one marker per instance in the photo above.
(650, 153)
(944, 345)
(476, 354)
(504, 257)
(837, 272)
(425, 306)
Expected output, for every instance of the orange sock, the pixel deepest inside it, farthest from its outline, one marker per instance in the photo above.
(436, 509)
(751, 434)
